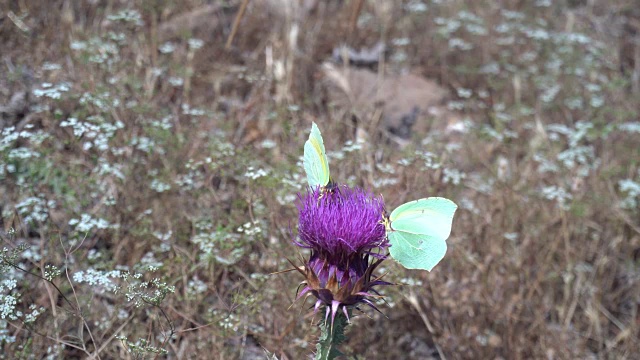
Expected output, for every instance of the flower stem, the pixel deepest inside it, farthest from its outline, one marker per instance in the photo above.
(330, 338)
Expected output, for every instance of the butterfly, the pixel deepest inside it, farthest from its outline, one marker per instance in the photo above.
(315, 161)
(418, 231)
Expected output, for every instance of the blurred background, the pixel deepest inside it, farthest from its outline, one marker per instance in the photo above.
(150, 161)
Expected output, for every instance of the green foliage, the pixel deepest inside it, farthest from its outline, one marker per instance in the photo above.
(331, 336)
(141, 349)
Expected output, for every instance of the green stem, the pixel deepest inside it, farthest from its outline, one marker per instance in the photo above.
(331, 337)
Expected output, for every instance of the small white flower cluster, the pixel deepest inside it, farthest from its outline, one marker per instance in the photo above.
(229, 322)
(159, 186)
(51, 272)
(86, 223)
(99, 50)
(579, 157)
(452, 176)
(335, 155)
(150, 263)
(95, 130)
(176, 81)
(405, 162)
(384, 182)
(52, 91)
(545, 165)
(8, 138)
(430, 160)
(268, 144)
(481, 184)
(195, 44)
(146, 144)
(468, 204)
(560, 195)
(35, 209)
(211, 244)
(459, 44)
(536, 33)
(411, 282)
(351, 146)
(119, 38)
(4, 334)
(632, 191)
(549, 93)
(6, 168)
(401, 41)
(188, 110)
(286, 198)
(630, 127)
(164, 123)
(543, 3)
(9, 295)
(386, 168)
(223, 149)
(141, 348)
(416, 6)
(447, 26)
(250, 228)
(196, 286)
(106, 168)
(464, 93)
(8, 307)
(102, 280)
(145, 292)
(189, 181)
(167, 48)
(47, 66)
(163, 236)
(488, 130)
(31, 317)
(22, 153)
(511, 236)
(462, 21)
(254, 174)
(7, 301)
(127, 15)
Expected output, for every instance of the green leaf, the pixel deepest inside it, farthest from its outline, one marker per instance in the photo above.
(331, 336)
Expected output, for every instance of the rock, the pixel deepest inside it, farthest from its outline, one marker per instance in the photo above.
(12, 112)
(407, 101)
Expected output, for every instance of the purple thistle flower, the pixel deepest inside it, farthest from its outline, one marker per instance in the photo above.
(343, 228)
(341, 223)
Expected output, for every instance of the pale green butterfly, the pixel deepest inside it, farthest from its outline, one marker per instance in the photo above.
(315, 161)
(418, 231)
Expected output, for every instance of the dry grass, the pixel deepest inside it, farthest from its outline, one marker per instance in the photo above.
(544, 258)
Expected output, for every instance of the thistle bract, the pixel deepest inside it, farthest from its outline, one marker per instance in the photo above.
(344, 230)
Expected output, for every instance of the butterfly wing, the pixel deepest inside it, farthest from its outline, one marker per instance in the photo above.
(418, 231)
(315, 161)
(431, 216)
(416, 251)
